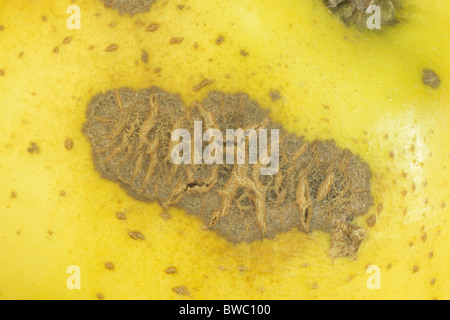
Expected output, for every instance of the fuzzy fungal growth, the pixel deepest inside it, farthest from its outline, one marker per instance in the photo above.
(356, 13)
(130, 7)
(318, 185)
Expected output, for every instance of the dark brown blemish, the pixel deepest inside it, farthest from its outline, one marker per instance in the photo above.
(430, 78)
(129, 7)
(274, 95)
(34, 148)
(55, 50)
(2, 72)
(100, 296)
(244, 53)
(67, 40)
(13, 194)
(220, 40)
(318, 186)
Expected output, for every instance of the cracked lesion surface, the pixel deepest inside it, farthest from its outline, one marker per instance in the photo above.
(318, 186)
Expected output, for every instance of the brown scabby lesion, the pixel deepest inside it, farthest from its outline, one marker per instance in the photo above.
(130, 7)
(318, 186)
(354, 12)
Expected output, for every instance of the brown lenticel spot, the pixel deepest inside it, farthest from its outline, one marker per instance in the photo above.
(165, 216)
(379, 208)
(152, 27)
(202, 84)
(109, 265)
(112, 47)
(182, 291)
(415, 269)
(13, 194)
(171, 270)
(68, 144)
(121, 216)
(144, 56)
(176, 40)
(67, 40)
(372, 220)
(55, 50)
(136, 235)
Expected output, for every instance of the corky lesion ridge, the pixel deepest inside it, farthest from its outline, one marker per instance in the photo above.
(318, 185)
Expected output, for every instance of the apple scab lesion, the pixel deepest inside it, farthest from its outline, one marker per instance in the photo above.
(357, 12)
(318, 186)
(430, 78)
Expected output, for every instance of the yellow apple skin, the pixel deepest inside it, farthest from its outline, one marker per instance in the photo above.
(362, 89)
